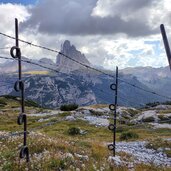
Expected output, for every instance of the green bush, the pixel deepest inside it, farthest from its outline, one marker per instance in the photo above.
(10, 97)
(149, 119)
(120, 129)
(68, 107)
(128, 135)
(31, 103)
(132, 112)
(73, 131)
(163, 118)
(167, 103)
(2, 103)
(153, 104)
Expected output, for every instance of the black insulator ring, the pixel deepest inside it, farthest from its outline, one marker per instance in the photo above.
(21, 119)
(113, 86)
(111, 127)
(24, 152)
(18, 52)
(19, 85)
(111, 147)
(112, 107)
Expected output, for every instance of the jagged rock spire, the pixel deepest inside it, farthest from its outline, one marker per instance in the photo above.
(66, 64)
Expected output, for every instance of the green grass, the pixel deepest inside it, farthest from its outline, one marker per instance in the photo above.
(49, 145)
(128, 135)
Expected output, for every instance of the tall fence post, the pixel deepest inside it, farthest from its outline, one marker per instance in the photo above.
(19, 87)
(113, 107)
(166, 43)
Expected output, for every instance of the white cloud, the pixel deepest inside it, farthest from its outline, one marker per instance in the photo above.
(106, 50)
(8, 13)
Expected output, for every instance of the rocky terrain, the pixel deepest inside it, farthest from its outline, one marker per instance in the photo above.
(78, 139)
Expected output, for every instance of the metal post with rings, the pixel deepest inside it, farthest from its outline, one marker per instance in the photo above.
(19, 87)
(113, 107)
(166, 44)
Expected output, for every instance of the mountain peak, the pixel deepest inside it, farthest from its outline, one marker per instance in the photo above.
(67, 65)
(67, 46)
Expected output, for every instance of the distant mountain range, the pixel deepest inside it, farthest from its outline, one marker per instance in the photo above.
(77, 84)
(157, 79)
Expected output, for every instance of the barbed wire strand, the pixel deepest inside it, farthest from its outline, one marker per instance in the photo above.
(87, 66)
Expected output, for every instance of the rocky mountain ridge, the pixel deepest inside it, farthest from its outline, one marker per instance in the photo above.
(77, 84)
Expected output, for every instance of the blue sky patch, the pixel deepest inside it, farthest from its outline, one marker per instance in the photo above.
(24, 2)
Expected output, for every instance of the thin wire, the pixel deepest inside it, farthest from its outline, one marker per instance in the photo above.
(131, 101)
(148, 91)
(4, 48)
(30, 62)
(87, 66)
(56, 51)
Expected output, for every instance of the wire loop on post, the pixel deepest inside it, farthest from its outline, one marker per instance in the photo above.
(111, 147)
(17, 52)
(112, 107)
(21, 119)
(19, 85)
(111, 127)
(24, 152)
(113, 87)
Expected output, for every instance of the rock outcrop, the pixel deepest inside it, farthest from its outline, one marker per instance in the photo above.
(67, 65)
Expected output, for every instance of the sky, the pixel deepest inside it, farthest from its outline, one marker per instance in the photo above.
(110, 33)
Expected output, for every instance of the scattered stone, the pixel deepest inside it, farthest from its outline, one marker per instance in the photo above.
(98, 121)
(147, 116)
(142, 154)
(68, 155)
(117, 160)
(82, 157)
(164, 125)
(162, 107)
(70, 118)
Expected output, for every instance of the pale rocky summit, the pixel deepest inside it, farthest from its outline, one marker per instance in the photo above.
(67, 65)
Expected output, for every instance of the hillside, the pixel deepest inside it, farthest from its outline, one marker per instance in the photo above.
(158, 79)
(70, 82)
(55, 145)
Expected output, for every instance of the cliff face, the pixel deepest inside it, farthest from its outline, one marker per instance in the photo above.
(66, 65)
(77, 84)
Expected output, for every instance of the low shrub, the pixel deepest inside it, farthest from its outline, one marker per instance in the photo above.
(128, 135)
(96, 113)
(153, 104)
(10, 97)
(31, 103)
(132, 112)
(68, 107)
(149, 119)
(73, 131)
(2, 103)
(162, 118)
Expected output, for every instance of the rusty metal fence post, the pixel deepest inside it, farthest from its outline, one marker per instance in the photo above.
(19, 87)
(166, 43)
(113, 107)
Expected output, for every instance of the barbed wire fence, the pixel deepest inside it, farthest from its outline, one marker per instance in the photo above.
(19, 86)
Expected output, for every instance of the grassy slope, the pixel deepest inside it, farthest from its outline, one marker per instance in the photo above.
(49, 146)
